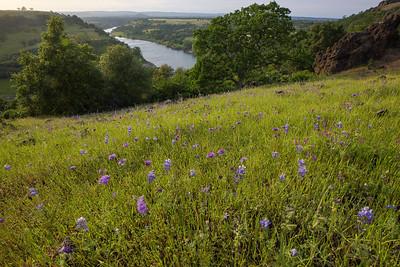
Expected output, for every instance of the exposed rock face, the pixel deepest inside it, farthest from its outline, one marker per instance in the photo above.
(386, 3)
(358, 48)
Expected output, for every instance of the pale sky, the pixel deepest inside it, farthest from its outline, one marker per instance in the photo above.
(310, 8)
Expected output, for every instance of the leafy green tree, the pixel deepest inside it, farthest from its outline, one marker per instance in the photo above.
(128, 80)
(170, 84)
(236, 46)
(325, 35)
(61, 79)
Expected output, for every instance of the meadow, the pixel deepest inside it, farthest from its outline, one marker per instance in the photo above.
(278, 175)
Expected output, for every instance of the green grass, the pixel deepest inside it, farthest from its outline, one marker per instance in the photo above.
(348, 169)
(6, 92)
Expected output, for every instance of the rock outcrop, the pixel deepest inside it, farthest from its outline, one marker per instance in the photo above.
(358, 48)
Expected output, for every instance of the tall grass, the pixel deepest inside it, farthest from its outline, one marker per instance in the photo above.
(213, 218)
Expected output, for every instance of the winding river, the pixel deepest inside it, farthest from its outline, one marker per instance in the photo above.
(160, 54)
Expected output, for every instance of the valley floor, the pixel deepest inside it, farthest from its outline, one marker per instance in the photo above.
(267, 176)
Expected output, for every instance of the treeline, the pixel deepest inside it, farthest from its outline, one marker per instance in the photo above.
(252, 46)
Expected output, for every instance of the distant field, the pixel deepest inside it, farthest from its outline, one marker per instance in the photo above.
(6, 92)
(198, 22)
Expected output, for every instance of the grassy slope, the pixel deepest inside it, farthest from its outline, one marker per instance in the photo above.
(348, 169)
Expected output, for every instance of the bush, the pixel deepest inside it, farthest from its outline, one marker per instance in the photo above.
(301, 76)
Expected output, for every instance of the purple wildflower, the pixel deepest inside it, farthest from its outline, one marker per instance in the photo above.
(339, 125)
(275, 129)
(82, 152)
(104, 179)
(141, 206)
(129, 130)
(211, 155)
(316, 126)
(125, 145)
(241, 171)
(286, 128)
(33, 192)
(67, 249)
(275, 154)
(147, 162)
(112, 157)
(366, 215)
(167, 164)
(81, 223)
(282, 177)
(151, 176)
(173, 141)
(106, 139)
(122, 162)
(318, 117)
(265, 224)
(293, 252)
(192, 173)
(7, 167)
(302, 170)
(221, 151)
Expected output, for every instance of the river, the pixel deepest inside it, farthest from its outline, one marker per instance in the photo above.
(160, 54)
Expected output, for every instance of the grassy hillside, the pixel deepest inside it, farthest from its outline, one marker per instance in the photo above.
(362, 20)
(21, 31)
(315, 155)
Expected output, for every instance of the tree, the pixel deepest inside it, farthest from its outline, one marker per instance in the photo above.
(325, 35)
(61, 79)
(236, 46)
(128, 81)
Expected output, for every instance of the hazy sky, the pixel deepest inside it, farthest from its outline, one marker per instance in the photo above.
(315, 8)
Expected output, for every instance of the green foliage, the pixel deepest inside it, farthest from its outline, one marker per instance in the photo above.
(325, 35)
(61, 79)
(21, 31)
(210, 219)
(239, 48)
(170, 84)
(127, 81)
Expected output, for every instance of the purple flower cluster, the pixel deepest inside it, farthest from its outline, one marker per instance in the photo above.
(33, 192)
(81, 223)
(211, 155)
(112, 157)
(147, 162)
(192, 173)
(221, 151)
(366, 215)
(167, 164)
(104, 179)
(265, 224)
(7, 167)
(302, 170)
(122, 162)
(151, 176)
(141, 206)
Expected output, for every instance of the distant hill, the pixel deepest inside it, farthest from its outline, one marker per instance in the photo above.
(151, 14)
(21, 31)
(361, 21)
